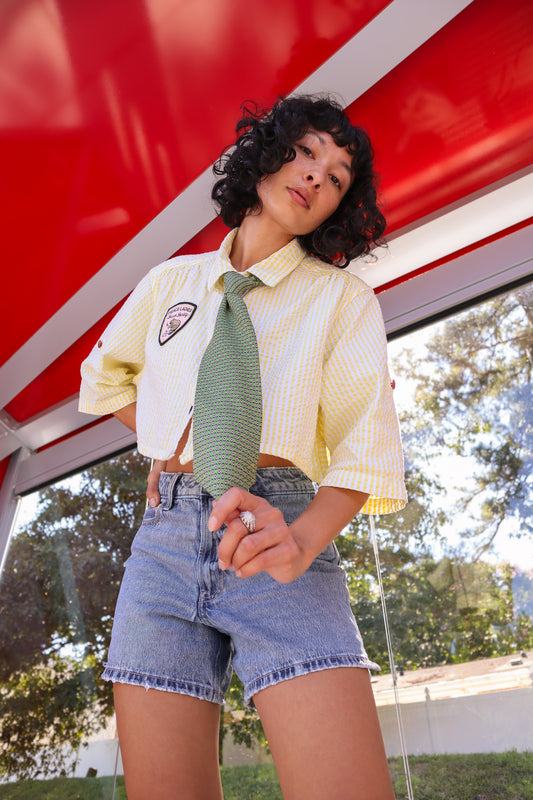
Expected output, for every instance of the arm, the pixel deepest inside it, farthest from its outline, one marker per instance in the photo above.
(357, 415)
(128, 416)
(110, 371)
(284, 551)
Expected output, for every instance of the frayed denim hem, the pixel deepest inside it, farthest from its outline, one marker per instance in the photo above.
(289, 671)
(134, 678)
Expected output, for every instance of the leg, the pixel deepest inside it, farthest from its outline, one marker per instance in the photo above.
(169, 744)
(325, 738)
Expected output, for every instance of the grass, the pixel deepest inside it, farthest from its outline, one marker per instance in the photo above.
(484, 776)
(480, 776)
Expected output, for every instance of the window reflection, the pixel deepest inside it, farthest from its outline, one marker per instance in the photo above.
(457, 563)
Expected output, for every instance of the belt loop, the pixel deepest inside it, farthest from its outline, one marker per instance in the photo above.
(175, 478)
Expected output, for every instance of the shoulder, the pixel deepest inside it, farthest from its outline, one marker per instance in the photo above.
(345, 285)
(177, 266)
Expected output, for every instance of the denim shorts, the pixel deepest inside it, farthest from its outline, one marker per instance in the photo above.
(182, 624)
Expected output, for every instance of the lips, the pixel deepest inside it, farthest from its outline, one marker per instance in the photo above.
(300, 196)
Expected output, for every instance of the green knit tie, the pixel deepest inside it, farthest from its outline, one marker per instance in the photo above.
(227, 405)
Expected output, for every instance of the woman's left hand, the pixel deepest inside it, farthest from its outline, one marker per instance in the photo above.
(272, 547)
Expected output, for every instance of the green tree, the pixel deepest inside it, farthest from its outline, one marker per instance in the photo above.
(57, 595)
(432, 621)
(473, 400)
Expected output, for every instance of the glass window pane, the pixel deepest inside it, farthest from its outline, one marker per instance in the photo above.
(57, 597)
(457, 562)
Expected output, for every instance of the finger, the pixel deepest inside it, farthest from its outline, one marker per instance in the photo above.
(238, 545)
(235, 532)
(249, 547)
(152, 489)
(279, 561)
(232, 500)
(153, 497)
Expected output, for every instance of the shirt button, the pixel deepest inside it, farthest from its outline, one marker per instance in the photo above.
(99, 343)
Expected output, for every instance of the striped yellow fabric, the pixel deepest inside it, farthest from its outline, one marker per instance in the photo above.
(327, 399)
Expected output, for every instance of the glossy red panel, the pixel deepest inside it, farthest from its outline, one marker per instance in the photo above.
(61, 379)
(3, 468)
(457, 114)
(109, 109)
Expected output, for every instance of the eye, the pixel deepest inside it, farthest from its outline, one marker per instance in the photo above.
(336, 181)
(305, 150)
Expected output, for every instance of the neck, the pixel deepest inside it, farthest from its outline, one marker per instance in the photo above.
(255, 242)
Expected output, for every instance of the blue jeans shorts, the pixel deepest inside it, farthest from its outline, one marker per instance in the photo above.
(182, 624)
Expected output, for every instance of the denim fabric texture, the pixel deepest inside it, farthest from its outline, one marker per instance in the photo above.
(182, 624)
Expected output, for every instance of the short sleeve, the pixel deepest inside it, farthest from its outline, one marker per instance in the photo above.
(111, 370)
(357, 416)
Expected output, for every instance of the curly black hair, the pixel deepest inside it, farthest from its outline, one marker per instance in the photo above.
(265, 141)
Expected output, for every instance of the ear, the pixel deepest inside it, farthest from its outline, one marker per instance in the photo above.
(340, 261)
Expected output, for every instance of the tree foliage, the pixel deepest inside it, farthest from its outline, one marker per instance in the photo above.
(468, 444)
(57, 595)
(473, 400)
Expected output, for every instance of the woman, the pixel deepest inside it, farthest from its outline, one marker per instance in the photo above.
(206, 588)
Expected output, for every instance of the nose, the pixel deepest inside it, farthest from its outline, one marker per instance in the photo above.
(313, 177)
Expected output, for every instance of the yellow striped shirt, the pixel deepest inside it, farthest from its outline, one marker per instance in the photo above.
(327, 398)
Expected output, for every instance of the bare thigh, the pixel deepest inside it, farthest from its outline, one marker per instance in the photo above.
(169, 744)
(325, 738)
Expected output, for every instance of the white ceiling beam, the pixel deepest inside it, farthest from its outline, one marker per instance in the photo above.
(481, 271)
(40, 430)
(357, 66)
(396, 32)
(73, 454)
(473, 218)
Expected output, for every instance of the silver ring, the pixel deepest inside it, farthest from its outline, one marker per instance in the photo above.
(248, 520)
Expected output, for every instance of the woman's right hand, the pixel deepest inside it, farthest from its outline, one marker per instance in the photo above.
(152, 489)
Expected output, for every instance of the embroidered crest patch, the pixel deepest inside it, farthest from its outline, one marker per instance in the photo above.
(175, 319)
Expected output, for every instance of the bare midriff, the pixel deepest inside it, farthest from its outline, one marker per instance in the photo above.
(174, 464)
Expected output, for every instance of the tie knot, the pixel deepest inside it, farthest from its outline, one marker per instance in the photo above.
(237, 283)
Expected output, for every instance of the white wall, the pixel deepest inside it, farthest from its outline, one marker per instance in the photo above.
(477, 723)
(101, 756)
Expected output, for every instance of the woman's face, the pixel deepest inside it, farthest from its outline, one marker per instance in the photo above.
(306, 191)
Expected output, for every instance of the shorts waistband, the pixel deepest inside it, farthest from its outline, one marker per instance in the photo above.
(268, 479)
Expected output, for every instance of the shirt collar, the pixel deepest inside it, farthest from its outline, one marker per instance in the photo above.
(271, 270)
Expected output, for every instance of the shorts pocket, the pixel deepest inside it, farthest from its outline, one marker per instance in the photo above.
(152, 515)
(330, 555)
(291, 504)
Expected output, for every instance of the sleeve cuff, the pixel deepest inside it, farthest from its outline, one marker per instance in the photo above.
(391, 497)
(108, 405)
